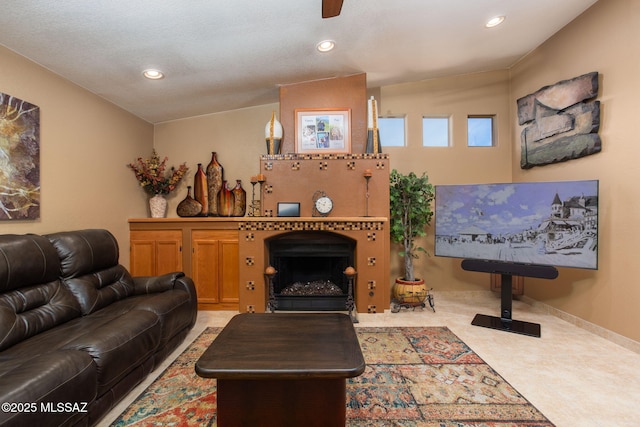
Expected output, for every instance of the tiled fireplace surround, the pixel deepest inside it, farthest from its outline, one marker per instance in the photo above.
(358, 214)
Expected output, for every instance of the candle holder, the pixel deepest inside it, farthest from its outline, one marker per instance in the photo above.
(269, 274)
(256, 208)
(252, 210)
(350, 273)
(367, 176)
(261, 180)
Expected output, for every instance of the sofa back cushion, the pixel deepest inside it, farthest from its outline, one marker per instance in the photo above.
(32, 298)
(26, 260)
(90, 268)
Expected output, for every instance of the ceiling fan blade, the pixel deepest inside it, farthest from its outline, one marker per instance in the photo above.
(331, 8)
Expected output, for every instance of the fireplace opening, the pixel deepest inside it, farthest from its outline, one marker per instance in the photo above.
(310, 268)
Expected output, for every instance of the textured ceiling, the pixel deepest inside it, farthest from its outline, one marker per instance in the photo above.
(224, 55)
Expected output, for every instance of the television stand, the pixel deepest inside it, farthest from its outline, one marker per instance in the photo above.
(506, 270)
(505, 322)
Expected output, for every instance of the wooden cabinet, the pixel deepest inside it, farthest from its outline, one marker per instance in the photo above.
(206, 249)
(214, 267)
(155, 252)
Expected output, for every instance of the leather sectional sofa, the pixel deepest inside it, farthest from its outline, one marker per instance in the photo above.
(77, 331)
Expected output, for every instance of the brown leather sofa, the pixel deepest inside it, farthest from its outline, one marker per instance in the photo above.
(77, 331)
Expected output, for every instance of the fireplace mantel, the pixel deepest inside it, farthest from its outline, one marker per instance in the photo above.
(311, 223)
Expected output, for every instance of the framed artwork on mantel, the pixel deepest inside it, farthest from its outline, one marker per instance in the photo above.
(323, 130)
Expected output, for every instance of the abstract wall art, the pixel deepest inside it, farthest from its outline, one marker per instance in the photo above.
(561, 122)
(19, 159)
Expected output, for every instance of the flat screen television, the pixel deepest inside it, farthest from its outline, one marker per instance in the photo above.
(533, 223)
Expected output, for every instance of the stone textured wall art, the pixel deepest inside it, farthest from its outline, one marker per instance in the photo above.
(19, 159)
(561, 122)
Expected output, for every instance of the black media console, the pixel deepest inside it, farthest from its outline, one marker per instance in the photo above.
(506, 271)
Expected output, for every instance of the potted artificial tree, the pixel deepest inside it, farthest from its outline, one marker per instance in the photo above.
(410, 208)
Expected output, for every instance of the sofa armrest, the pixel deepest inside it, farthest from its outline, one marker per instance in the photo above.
(153, 284)
(144, 285)
(176, 281)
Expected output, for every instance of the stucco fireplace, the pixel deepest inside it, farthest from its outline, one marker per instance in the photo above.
(318, 248)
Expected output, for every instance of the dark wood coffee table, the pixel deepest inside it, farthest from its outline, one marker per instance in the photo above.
(276, 369)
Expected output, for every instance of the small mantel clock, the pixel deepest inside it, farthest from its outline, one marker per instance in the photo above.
(322, 204)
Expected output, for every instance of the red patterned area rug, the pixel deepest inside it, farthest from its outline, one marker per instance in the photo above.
(415, 377)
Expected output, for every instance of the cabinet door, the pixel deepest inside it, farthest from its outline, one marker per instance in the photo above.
(169, 255)
(204, 267)
(142, 257)
(214, 266)
(229, 277)
(155, 252)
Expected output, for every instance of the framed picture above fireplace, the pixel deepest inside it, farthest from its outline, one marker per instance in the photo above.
(323, 130)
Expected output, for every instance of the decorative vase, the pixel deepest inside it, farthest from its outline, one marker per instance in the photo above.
(240, 196)
(373, 142)
(373, 133)
(273, 134)
(189, 206)
(226, 200)
(200, 192)
(215, 173)
(158, 206)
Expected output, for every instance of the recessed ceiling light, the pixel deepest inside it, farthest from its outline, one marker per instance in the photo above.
(326, 45)
(495, 21)
(153, 74)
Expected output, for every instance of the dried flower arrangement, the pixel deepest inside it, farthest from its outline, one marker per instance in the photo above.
(152, 177)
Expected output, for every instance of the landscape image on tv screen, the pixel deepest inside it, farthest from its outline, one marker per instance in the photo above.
(545, 223)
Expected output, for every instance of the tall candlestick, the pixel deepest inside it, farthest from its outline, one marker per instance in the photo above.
(254, 181)
(367, 176)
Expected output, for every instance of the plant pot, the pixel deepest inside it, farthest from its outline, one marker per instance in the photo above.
(410, 293)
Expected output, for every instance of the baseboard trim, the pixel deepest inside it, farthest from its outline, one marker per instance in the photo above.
(614, 337)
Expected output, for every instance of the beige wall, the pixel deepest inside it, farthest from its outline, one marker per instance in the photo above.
(85, 143)
(456, 97)
(339, 92)
(236, 136)
(603, 39)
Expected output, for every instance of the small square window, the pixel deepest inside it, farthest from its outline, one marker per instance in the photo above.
(435, 131)
(391, 131)
(480, 131)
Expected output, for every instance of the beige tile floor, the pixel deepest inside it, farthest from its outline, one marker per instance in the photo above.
(573, 376)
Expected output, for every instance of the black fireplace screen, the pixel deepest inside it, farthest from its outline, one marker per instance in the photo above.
(310, 268)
